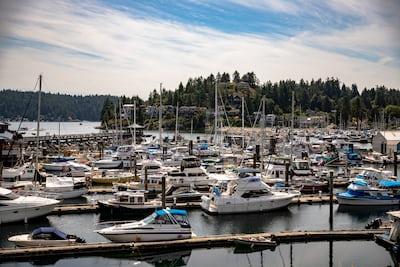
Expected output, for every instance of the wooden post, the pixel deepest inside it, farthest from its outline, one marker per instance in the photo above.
(163, 192)
(190, 147)
(395, 163)
(286, 174)
(258, 152)
(135, 166)
(1, 160)
(145, 178)
(331, 200)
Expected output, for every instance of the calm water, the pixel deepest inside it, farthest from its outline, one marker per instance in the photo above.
(304, 217)
(343, 254)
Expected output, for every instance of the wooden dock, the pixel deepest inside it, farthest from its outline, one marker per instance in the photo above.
(140, 248)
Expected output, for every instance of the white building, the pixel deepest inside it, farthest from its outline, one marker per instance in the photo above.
(386, 142)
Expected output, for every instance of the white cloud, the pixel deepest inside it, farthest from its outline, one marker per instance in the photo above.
(131, 56)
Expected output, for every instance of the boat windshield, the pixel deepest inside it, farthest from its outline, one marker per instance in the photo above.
(9, 196)
(182, 220)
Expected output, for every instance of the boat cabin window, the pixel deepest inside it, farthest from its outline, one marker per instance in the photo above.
(123, 198)
(255, 193)
(162, 220)
(302, 165)
(9, 196)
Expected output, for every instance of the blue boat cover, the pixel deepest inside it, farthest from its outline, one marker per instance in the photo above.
(162, 212)
(49, 230)
(389, 183)
(203, 146)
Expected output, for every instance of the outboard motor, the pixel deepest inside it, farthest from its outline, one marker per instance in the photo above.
(374, 224)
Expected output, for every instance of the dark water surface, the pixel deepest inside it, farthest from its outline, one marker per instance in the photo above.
(303, 217)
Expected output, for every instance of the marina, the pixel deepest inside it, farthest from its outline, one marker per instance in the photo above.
(199, 133)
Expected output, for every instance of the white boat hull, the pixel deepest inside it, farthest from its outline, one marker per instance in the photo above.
(367, 202)
(70, 194)
(21, 214)
(147, 237)
(243, 206)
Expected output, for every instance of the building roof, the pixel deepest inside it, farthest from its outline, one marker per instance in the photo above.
(394, 214)
(391, 135)
(135, 126)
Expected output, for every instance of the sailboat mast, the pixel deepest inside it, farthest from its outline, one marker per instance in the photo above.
(242, 122)
(176, 121)
(291, 128)
(37, 130)
(160, 116)
(216, 111)
(134, 122)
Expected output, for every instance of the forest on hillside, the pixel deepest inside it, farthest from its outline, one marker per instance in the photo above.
(196, 101)
(16, 104)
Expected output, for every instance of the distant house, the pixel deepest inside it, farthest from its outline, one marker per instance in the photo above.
(386, 142)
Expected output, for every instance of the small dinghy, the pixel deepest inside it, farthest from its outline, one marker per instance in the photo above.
(255, 242)
(45, 237)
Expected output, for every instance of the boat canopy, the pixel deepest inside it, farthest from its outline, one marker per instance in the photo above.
(163, 212)
(389, 183)
(49, 230)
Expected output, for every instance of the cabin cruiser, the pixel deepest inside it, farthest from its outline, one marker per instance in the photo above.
(108, 177)
(15, 208)
(129, 201)
(376, 158)
(67, 187)
(190, 173)
(18, 176)
(163, 224)
(45, 237)
(247, 194)
(360, 193)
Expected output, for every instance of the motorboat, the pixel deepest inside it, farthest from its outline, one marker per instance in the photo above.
(45, 237)
(190, 173)
(67, 187)
(163, 224)
(108, 177)
(109, 163)
(15, 208)
(181, 194)
(247, 194)
(130, 201)
(18, 176)
(360, 193)
(56, 166)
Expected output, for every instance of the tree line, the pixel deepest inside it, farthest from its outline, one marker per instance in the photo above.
(341, 102)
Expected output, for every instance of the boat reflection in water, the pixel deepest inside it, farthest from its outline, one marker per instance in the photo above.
(178, 258)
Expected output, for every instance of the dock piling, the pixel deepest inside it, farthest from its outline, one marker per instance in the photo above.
(331, 200)
(163, 192)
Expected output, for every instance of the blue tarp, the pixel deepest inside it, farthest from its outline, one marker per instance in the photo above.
(162, 212)
(389, 183)
(49, 230)
(360, 182)
(203, 146)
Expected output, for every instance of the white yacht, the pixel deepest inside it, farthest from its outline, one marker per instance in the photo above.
(247, 194)
(67, 187)
(15, 208)
(129, 201)
(190, 173)
(18, 176)
(163, 224)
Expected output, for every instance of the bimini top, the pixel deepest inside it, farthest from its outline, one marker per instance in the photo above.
(389, 183)
(163, 212)
(49, 230)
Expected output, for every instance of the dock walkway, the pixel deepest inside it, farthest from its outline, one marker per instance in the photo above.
(141, 248)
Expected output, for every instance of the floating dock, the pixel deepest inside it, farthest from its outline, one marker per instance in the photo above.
(141, 248)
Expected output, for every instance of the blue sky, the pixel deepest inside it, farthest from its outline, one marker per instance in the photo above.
(129, 47)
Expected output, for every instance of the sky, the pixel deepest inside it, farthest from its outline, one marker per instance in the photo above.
(130, 47)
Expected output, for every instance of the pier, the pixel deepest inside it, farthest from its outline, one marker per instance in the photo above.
(175, 245)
